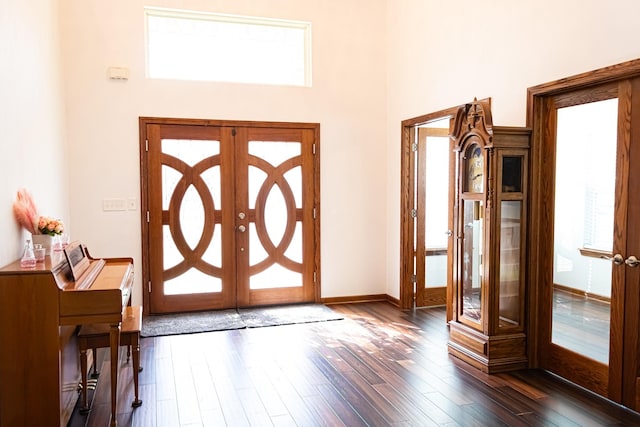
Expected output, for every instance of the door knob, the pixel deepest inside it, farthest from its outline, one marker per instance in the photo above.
(242, 228)
(632, 261)
(241, 215)
(617, 259)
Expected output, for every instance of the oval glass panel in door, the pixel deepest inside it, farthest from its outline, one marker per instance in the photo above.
(275, 194)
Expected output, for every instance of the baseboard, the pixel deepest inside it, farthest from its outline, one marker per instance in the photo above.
(361, 298)
(582, 293)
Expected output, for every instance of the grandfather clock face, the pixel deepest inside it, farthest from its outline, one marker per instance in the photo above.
(475, 169)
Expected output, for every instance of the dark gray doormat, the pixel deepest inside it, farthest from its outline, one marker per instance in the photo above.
(287, 315)
(220, 320)
(189, 323)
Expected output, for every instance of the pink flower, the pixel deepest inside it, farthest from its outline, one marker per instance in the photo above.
(50, 226)
(26, 214)
(25, 210)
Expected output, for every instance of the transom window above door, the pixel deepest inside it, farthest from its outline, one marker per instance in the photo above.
(189, 45)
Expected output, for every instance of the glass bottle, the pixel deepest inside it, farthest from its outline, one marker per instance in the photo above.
(39, 252)
(28, 259)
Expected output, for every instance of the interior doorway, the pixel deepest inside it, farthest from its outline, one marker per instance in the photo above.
(230, 214)
(427, 170)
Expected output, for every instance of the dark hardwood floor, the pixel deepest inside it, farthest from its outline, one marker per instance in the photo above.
(378, 367)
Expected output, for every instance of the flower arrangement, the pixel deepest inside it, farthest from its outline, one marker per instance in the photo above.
(50, 226)
(26, 213)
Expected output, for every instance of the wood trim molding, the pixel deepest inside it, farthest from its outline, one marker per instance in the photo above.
(407, 182)
(581, 293)
(361, 298)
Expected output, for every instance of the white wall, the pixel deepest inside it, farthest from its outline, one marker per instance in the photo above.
(444, 53)
(376, 63)
(347, 99)
(32, 144)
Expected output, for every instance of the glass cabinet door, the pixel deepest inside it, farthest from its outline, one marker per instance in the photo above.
(471, 291)
(509, 289)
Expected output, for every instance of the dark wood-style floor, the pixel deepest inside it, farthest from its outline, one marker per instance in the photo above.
(378, 367)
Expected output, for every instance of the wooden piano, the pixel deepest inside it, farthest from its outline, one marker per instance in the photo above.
(40, 312)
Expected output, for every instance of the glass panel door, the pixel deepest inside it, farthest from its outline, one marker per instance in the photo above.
(434, 158)
(472, 269)
(231, 216)
(583, 230)
(274, 214)
(585, 268)
(190, 189)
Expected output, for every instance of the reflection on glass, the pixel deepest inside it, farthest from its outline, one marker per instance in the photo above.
(509, 302)
(512, 174)
(436, 208)
(190, 152)
(475, 169)
(435, 271)
(192, 217)
(472, 259)
(192, 281)
(584, 203)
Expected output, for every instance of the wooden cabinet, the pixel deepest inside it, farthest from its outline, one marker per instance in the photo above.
(487, 327)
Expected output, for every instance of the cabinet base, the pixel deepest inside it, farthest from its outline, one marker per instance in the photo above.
(489, 353)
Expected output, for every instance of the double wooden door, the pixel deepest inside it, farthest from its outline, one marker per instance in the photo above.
(231, 214)
(586, 269)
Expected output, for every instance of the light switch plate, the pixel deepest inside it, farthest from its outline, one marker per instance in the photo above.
(109, 205)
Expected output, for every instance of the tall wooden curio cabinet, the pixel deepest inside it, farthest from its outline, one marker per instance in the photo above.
(487, 328)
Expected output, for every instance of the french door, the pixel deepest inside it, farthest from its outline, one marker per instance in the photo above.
(434, 198)
(231, 214)
(588, 213)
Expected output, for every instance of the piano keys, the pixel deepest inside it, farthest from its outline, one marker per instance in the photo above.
(39, 317)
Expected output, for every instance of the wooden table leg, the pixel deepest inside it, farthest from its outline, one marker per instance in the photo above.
(114, 335)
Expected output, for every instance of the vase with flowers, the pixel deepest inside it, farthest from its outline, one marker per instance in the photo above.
(53, 228)
(45, 230)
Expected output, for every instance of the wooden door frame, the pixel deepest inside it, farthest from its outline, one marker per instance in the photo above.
(144, 202)
(538, 101)
(407, 197)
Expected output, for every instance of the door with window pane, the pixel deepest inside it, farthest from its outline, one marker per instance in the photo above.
(434, 163)
(591, 278)
(230, 216)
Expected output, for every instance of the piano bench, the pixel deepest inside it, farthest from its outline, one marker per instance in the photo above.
(97, 336)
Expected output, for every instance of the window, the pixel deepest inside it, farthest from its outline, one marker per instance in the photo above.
(586, 172)
(187, 45)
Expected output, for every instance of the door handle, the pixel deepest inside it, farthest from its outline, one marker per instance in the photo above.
(617, 259)
(242, 228)
(632, 261)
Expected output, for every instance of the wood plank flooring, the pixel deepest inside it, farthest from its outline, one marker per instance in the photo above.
(378, 367)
